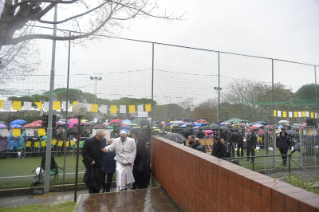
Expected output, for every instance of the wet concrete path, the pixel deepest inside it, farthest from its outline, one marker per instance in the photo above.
(153, 199)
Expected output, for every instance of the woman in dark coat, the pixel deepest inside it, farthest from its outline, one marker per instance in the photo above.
(108, 168)
(283, 143)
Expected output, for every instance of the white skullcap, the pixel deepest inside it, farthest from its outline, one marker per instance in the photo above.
(123, 132)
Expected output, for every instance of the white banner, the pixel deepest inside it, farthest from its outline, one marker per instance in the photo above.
(290, 114)
(27, 105)
(140, 108)
(88, 107)
(103, 108)
(29, 132)
(7, 105)
(45, 106)
(4, 132)
(122, 108)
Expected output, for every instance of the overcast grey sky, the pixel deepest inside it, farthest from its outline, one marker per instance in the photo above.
(286, 29)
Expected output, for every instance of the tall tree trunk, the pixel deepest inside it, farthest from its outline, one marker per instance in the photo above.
(6, 16)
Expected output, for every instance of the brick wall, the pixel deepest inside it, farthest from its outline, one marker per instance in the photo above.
(200, 182)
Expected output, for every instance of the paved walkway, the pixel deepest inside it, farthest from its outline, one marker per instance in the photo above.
(150, 200)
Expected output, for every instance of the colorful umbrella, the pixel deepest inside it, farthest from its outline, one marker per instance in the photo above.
(18, 121)
(33, 125)
(115, 121)
(201, 121)
(3, 126)
(15, 126)
(126, 121)
(100, 126)
(75, 121)
(208, 131)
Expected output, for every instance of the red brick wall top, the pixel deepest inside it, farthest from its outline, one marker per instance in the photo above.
(200, 182)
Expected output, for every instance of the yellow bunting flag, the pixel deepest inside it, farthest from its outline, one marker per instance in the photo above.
(284, 114)
(1, 103)
(67, 143)
(43, 143)
(36, 144)
(94, 108)
(41, 132)
(312, 115)
(113, 109)
(310, 132)
(28, 144)
(74, 103)
(16, 105)
(60, 143)
(131, 108)
(72, 143)
(148, 107)
(275, 113)
(39, 105)
(16, 132)
(303, 113)
(56, 105)
(295, 114)
(53, 141)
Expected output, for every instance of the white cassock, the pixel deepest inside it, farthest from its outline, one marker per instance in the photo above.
(125, 153)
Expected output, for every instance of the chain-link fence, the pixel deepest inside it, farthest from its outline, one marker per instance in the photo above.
(180, 83)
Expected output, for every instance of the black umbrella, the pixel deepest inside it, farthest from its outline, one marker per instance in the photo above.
(224, 128)
(175, 137)
(291, 132)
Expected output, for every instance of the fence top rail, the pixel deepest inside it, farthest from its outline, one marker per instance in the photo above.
(180, 46)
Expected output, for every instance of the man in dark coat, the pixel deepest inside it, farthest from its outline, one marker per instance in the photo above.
(140, 160)
(190, 140)
(240, 143)
(231, 140)
(251, 144)
(92, 159)
(219, 149)
(108, 166)
(198, 146)
(283, 143)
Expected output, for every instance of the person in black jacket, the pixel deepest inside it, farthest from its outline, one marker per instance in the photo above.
(190, 140)
(251, 144)
(198, 146)
(231, 140)
(240, 143)
(283, 143)
(140, 160)
(92, 159)
(219, 149)
(108, 166)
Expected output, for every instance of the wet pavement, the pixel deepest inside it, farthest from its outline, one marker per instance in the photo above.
(51, 197)
(153, 199)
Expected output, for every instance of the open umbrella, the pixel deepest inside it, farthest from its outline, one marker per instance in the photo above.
(197, 124)
(126, 121)
(18, 121)
(15, 126)
(184, 125)
(253, 127)
(3, 126)
(141, 121)
(208, 131)
(125, 130)
(175, 137)
(100, 126)
(114, 121)
(125, 127)
(291, 132)
(224, 128)
(33, 125)
(75, 121)
(2, 122)
(38, 121)
(84, 120)
(201, 121)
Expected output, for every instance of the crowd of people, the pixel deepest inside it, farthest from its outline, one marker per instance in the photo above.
(231, 142)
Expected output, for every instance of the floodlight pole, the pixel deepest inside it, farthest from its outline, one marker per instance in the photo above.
(49, 130)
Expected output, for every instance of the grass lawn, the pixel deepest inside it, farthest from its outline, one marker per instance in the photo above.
(65, 207)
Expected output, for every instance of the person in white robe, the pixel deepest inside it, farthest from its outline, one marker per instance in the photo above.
(125, 150)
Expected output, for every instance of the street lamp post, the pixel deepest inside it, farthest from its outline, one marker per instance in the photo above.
(96, 79)
(218, 112)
